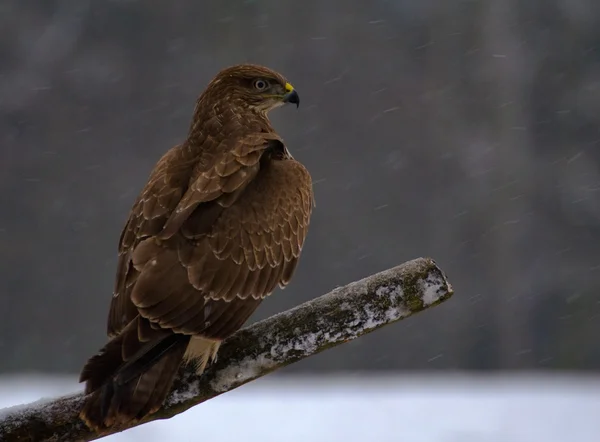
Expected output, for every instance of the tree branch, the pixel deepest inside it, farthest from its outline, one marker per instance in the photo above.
(332, 319)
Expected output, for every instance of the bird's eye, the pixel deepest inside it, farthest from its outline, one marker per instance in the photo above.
(260, 84)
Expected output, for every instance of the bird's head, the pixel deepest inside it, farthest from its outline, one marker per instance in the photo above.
(252, 87)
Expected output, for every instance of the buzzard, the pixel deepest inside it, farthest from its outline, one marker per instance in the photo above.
(220, 223)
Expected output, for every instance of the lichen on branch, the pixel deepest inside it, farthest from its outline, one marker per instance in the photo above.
(340, 316)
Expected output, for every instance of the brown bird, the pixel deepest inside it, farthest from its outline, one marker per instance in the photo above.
(220, 223)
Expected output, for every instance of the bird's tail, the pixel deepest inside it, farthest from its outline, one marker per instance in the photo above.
(129, 379)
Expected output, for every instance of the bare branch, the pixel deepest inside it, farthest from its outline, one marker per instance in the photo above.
(332, 319)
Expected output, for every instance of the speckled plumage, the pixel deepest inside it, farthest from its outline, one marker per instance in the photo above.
(220, 223)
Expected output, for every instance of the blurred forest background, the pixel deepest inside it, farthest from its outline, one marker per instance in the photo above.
(463, 130)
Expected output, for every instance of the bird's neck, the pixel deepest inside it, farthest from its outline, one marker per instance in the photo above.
(225, 117)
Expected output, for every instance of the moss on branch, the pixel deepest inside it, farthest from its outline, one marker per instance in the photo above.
(332, 319)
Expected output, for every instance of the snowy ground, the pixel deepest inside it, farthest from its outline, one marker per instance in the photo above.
(460, 408)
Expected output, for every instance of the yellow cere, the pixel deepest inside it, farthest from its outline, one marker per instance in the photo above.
(289, 87)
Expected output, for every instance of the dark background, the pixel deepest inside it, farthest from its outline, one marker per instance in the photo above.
(467, 131)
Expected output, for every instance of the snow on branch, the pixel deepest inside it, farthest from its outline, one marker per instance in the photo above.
(332, 319)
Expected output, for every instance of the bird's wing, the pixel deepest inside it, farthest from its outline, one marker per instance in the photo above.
(180, 181)
(247, 247)
(208, 282)
(163, 191)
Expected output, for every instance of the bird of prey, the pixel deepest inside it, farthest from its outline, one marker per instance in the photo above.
(220, 223)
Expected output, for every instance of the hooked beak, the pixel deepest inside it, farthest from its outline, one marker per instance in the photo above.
(291, 96)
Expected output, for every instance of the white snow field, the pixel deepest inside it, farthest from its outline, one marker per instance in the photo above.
(365, 408)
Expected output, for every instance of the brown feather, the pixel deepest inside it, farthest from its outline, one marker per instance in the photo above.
(231, 318)
(250, 287)
(117, 401)
(233, 272)
(260, 289)
(220, 223)
(236, 290)
(288, 271)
